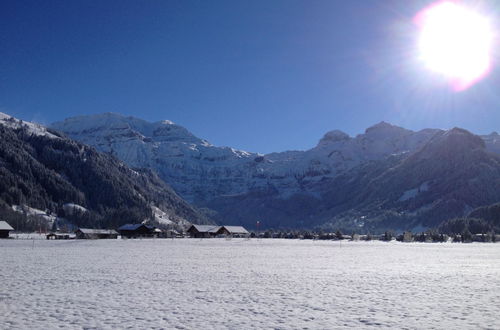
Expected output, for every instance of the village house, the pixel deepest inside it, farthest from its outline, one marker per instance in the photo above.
(207, 231)
(233, 231)
(87, 233)
(407, 236)
(5, 229)
(203, 231)
(138, 230)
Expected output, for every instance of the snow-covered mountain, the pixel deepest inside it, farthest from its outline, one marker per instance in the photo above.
(29, 127)
(449, 176)
(199, 171)
(43, 172)
(194, 167)
(291, 188)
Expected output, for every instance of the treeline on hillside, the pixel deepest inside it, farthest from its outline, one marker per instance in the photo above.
(431, 235)
(490, 214)
(465, 229)
(467, 225)
(483, 220)
(45, 173)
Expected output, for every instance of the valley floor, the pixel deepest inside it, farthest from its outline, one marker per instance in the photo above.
(244, 284)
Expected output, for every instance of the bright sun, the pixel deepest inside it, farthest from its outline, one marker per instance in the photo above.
(455, 42)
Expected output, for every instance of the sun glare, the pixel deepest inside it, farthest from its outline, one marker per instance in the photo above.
(455, 42)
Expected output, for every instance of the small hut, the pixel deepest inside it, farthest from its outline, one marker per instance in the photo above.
(87, 233)
(5, 229)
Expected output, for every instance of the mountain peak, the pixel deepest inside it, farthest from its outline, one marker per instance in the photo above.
(127, 126)
(457, 134)
(380, 125)
(452, 143)
(384, 130)
(333, 136)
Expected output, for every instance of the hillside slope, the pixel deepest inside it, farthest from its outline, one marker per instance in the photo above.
(448, 177)
(44, 170)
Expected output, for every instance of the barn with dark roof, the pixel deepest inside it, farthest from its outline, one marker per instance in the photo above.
(233, 231)
(203, 231)
(137, 230)
(206, 231)
(89, 233)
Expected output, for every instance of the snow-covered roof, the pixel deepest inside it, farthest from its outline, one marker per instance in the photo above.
(205, 228)
(5, 226)
(236, 230)
(98, 231)
(134, 226)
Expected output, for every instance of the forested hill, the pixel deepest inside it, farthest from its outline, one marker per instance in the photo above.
(45, 170)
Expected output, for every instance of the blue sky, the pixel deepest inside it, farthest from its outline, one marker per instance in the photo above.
(257, 75)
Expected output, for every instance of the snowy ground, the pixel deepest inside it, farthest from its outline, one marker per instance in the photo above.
(240, 284)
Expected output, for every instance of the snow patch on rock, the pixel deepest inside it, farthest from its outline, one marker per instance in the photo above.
(33, 212)
(161, 216)
(412, 193)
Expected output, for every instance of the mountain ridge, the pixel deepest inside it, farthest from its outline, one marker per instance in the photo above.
(292, 188)
(449, 177)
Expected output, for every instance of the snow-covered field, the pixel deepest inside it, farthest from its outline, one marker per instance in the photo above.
(241, 284)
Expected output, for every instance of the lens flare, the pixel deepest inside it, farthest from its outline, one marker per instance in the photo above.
(455, 42)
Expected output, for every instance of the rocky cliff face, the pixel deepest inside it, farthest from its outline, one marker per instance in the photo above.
(291, 188)
(448, 177)
(199, 171)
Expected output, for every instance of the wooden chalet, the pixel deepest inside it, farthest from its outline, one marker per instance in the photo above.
(233, 231)
(207, 231)
(5, 229)
(203, 231)
(138, 230)
(87, 233)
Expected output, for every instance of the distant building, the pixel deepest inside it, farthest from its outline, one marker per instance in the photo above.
(207, 231)
(5, 229)
(138, 230)
(203, 231)
(87, 233)
(407, 236)
(233, 231)
(170, 233)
